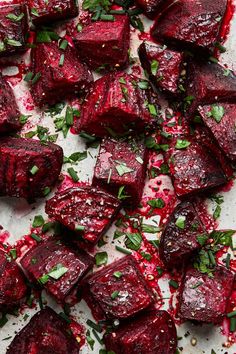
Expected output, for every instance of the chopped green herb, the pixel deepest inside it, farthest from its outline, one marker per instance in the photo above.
(73, 174)
(117, 274)
(115, 294)
(121, 193)
(139, 159)
(46, 191)
(174, 284)
(202, 239)
(180, 222)
(194, 286)
(15, 18)
(156, 203)
(62, 59)
(69, 116)
(2, 46)
(56, 273)
(217, 212)
(94, 325)
(38, 221)
(233, 324)
(28, 77)
(36, 237)
(34, 12)
(217, 112)
(143, 85)
(133, 241)
(150, 228)
(46, 36)
(79, 227)
(3, 320)
(152, 109)
(34, 170)
(227, 261)
(182, 144)
(123, 250)
(154, 67)
(122, 168)
(160, 271)
(146, 255)
(13, 253)
(231, 314)
(117, 234)
(105, 17)
(63, 45)
(101, 258)
(90, 340)
(23, 118)
(13, 42)
(36, 78)
(223, 237)
(79, 27)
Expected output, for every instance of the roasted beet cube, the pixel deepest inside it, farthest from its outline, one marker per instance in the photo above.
(28, 167)
(9, 113)
(58, 73)
(56, 267)
(12, 283)
(151, 333)
(49, 11)
(47, 332)
(163, 66)
(116, 105)
(191, 24)
(150, 7)
(13, 29)
(179, 237)
(122, 164)
(104, 44)
(204, 298)
(89, 211)
(119, 290)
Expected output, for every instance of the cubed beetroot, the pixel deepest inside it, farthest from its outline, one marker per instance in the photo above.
(89, 211)
(117, 105)
(122, 164)
(58, 73)
(163, 66)
(49, 11)
(47, 332)
(150, 7)
(13, 29)
(12, 283)
(151, 333)
(203, 298)
(9, 113)
(179, 237)
(56, 267)
(191, 24)
(119, 290)
(104, 44)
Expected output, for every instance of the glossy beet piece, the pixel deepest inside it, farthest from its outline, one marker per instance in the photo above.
(105, 44)
(169, 64)
(191, 24)
(122, 163)
(117, 105)
(151, 333)
(89, 211)
(204, 298)
(118, 297)
(12, 283)
(51, 254)
(13, 29)
(46, 333)
(53, 10)
(27, 167)
(9, 113)
(150, 7)
(57, 81)
(179, 237)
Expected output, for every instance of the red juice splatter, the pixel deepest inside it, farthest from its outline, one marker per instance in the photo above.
(144, 36)
(225, 27)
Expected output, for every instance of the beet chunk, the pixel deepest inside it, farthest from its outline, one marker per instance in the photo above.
(118, 296)
(57, 78)
(12, 283)
(27, 167)
(107, 50)
(53, 10)
(163, 66)
(204, 298)
(150, 7)
(179, 237)
(191, 24)
(9, 113)
(151, 333)
(13, 28)
(90, 211)
(47, 332)
(41, 262)
(122, 164)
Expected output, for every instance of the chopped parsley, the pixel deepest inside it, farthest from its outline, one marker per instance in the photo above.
(182, 144)
(154, 67)
(38, 221)
(56, 273)
(180, 222)
(216, 112)
(115, 294)
(133, 241)
(101, 258)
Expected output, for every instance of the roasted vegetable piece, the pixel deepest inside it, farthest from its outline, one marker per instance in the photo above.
(58, 73)
(104, 45)
(191, 24)
(28, 167)
(46, 333)
(56, 267)
(151, 333)
(121, 168)
(204, 298)
(179, 237)
(119, 290)
(150, 7)
(89, 211)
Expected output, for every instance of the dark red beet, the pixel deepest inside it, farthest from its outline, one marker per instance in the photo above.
(150, 7)
(151, 333)
(56, 82)
(179, 237)
(117, 105)
(46, 333)
(190, 23)
(167, 74)
(121, 296)
(87, 210)
(12, 283)
(204, 298)
(49, 255)
(13, 29)
(105, 44)
(49, 11)
(27, 167)
(9, 113)
(122, 163)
